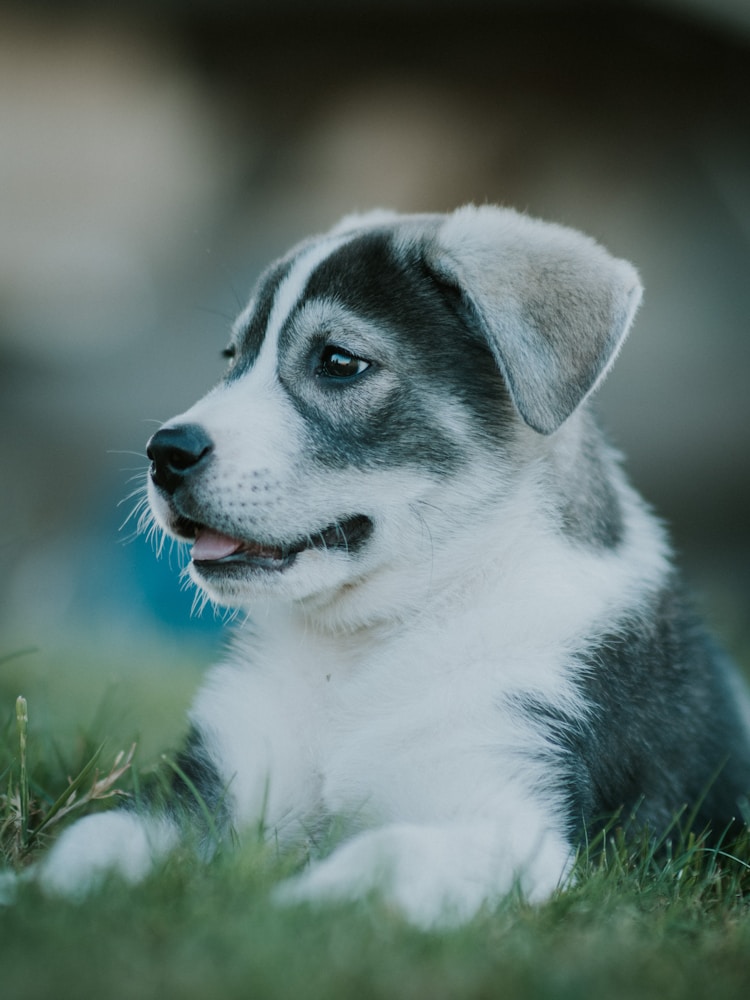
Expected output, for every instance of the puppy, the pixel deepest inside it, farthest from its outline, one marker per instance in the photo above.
(467, 637)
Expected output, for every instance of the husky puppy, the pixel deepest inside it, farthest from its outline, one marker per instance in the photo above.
(467, 637)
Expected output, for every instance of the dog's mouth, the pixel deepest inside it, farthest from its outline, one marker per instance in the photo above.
(214, 551)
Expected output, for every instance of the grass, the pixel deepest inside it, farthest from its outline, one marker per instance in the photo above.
(629, 926)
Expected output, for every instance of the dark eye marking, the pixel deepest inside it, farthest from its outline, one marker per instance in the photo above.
(338, 363)
(230, 353)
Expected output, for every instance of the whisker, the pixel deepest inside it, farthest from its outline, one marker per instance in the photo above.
(138, 474)
(342, 535)
(230, 615)
(136, 470)
(140, 515)
(126, 451)
(227, 317)
(139, 492)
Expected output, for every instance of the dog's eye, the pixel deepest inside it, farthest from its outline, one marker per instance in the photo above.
(338, 363)
(229, 353)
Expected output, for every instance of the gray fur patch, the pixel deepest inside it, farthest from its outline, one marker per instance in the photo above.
(589, 507)
(623, 759)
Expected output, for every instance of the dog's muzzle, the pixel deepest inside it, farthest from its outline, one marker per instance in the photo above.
(181, 452)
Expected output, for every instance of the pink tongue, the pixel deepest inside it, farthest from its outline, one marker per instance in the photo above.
(209, 545)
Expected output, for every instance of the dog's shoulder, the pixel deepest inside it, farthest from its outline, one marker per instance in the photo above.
(665, 726)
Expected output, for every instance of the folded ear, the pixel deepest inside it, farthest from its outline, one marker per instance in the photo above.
(551, 303)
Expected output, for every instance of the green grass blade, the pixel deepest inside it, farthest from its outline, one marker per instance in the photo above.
(22, 723)
(73, 788)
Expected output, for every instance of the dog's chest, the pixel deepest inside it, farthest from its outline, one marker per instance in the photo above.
(420, 725)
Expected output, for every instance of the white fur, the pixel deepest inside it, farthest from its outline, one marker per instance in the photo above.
(116, 842)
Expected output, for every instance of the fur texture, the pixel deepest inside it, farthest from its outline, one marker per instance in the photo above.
(467, 637)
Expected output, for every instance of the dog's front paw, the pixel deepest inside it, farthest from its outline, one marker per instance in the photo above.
(432, 876)
(117, 842)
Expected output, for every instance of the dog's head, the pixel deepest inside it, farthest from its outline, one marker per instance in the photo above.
(384, 383)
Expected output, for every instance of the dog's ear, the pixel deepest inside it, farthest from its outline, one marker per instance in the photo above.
(553, 305)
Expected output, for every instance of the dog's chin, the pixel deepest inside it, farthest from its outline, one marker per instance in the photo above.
(232, 570)
(310, 576)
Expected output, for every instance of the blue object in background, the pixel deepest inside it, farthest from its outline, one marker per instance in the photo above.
(119, 576)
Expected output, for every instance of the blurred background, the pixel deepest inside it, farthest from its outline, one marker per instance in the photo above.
(155, 156)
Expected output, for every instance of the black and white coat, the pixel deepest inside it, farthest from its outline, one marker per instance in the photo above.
(466, 634)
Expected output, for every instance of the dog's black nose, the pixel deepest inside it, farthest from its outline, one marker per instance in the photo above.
(175, 453)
